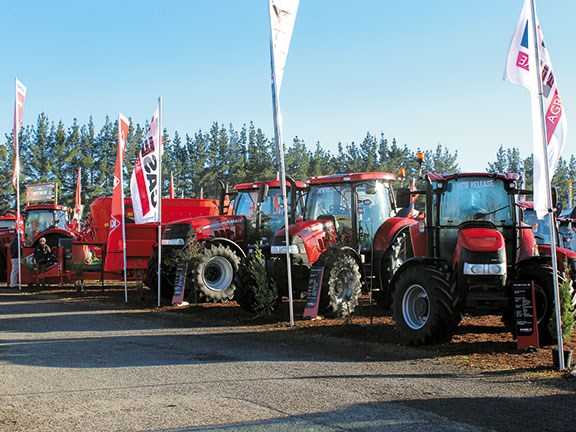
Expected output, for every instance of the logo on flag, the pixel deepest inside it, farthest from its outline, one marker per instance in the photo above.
(521, 69)
(145, 180)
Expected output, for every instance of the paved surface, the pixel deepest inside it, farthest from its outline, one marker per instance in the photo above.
(69, 365)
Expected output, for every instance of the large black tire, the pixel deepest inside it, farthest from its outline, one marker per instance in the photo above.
(247, 286)
(425, 307)
(214, 273)
(341, 286)
(166, 282)
(398, 252)
(544, 294)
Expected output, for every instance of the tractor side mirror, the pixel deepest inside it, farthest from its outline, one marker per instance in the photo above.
(402, 197)
(262, 193)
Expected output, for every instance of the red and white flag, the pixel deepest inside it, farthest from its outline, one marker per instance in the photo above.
(18, 109)
(145, 180)
(115, 249)
(521, 69)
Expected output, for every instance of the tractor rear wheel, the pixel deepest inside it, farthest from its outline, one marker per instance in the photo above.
(341, 286)
(398, 252)
(425, 306)
(214, 273)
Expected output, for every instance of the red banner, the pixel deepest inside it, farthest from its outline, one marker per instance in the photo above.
(115, 249)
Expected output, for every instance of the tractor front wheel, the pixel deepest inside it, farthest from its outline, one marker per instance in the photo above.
(341, 286)
(544, 295)
(167, 283)
(214, 273)
(424, 306)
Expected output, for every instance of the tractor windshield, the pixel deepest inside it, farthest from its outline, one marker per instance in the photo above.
(38, 221)
(475, 198)
(374, 207)
(272, 208)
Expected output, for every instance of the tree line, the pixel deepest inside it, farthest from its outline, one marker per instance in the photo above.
(51, 152)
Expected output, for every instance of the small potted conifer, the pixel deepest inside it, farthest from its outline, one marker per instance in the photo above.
(566, 317)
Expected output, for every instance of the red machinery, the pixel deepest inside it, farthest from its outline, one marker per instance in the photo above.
(80, 254)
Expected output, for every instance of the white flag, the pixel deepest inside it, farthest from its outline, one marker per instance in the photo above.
(282, 18)
(145, 180)
(520, 69)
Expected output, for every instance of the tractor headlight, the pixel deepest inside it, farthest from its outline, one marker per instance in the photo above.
(484, 269)
(173, 242)
(282, 250)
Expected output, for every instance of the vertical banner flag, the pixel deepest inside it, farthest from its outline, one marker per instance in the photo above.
(115, 250)
(520, 69)
(78, 198)
(18, 109)
(144, 183)
(282, 18)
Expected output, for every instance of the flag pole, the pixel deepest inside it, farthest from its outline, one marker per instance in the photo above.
(159, 195)
(550, 210)
(17, 167)
(281, 32)
(282, 168)
(122, 215)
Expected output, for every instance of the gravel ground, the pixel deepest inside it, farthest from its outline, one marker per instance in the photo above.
(68, 363)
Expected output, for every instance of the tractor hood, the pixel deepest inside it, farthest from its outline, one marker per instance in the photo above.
(178, 233)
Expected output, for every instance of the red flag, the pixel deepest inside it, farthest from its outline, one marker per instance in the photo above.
(78, 198)
(171, 185)
(115, 249)
(18, 109)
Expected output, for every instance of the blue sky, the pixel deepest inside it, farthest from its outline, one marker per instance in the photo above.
(419, 71)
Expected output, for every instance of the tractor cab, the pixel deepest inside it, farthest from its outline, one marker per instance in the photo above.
(357, 204)
(41, 218)
(468, 201)
(262, 205)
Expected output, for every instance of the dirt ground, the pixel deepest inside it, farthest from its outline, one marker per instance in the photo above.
(481, 343)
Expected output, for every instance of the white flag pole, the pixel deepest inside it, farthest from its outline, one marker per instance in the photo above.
(124, 140)
(536, 64)
(280, 150)
(159, 194)
(282, 14)
(17, 165)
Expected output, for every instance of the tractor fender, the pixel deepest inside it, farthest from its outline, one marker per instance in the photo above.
(225, 242)
(541, 260)
(388, 231)
(414, 261)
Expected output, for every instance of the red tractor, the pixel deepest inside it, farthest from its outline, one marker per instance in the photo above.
(257, 214)
(342, 233)
(464, 257)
